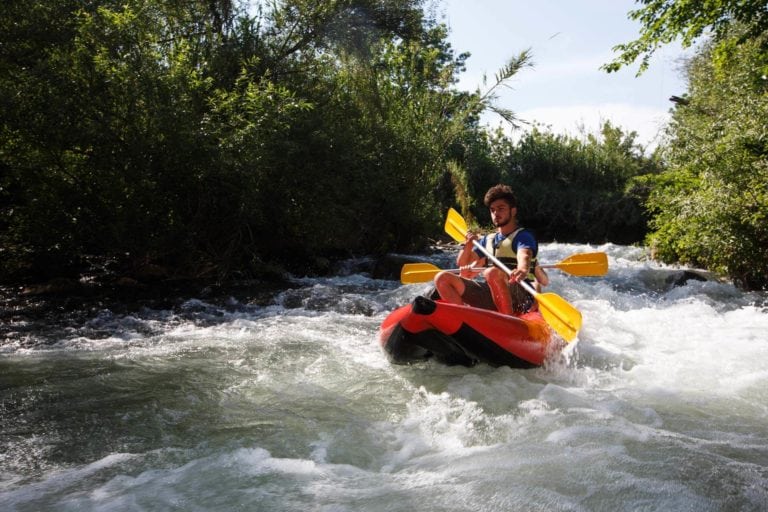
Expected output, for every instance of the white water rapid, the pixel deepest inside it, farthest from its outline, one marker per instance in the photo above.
(660, 404)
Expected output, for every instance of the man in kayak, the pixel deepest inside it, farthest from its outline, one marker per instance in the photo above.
(514, 246)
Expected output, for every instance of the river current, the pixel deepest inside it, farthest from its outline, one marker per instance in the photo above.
(660, 404)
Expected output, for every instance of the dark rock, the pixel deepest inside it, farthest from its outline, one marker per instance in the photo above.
(56, 286)
(151, 273)
(390, 265)
(126, 282)
(682, 277)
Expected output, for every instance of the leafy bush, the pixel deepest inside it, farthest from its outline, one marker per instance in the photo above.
(569, 189)
(711, 205)
(210, 140)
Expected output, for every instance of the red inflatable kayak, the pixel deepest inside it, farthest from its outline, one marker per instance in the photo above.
(464, 335)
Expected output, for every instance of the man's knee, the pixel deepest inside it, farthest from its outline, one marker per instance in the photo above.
(442, 277)
(494, 274)
(447, 282)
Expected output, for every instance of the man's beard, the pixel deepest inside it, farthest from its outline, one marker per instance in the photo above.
(507, 220)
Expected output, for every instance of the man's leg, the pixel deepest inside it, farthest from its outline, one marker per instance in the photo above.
(499, 283)
(450, 287)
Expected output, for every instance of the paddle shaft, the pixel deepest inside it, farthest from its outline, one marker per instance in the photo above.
(548, 265)
(503, 267)
(477, 269)
(580, 264)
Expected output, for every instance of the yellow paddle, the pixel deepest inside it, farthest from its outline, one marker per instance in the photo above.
(582, 264)
(559, 314)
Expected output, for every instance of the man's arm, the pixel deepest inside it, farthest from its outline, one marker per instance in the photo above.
(468, 257)
(524, 255)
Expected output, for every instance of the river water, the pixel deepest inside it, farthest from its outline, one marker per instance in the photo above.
(290, 405)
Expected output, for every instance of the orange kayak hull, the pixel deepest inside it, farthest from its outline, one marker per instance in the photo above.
(463, 335)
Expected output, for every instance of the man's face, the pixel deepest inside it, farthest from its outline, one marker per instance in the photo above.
(501, 213)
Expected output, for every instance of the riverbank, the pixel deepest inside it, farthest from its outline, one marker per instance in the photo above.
(32, 309)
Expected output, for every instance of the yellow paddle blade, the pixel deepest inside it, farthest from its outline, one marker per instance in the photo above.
(560, 315)
(584, 264)
(456, 226)
(418, 273)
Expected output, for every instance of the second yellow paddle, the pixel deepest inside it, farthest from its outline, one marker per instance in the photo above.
(582, 264)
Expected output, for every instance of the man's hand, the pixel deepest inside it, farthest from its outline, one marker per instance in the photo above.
(467, 256)
(469, 271)
(518, 275)
(523, 262)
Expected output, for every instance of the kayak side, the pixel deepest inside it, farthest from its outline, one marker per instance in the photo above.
(458, 334)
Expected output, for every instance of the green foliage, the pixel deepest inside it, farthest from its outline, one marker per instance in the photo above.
(570, 189)
(513, 66)
(664, 21)
(580, 190)
(711, 206)
(206, 139)
(216, 141)
(105, 129)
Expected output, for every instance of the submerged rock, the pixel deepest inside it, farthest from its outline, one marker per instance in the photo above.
(681, 278)
(56, 286)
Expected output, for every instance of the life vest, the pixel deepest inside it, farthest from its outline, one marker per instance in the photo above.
(506, 253)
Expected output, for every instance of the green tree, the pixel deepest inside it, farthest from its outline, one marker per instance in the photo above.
(100, 126)
(711, 206)
(579, 189)
(207, 139)
(664, 21)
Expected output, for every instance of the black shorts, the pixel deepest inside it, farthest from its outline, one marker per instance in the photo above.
(478, 294)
